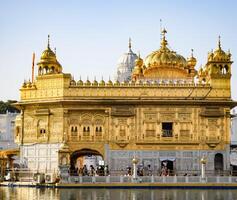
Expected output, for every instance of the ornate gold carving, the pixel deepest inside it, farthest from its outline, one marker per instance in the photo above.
(184, 134)
(150, 133)
(167, 117)
(125, 111)
(184, 116)
(212, 112)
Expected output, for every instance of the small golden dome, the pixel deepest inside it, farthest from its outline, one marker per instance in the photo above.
(146, 83)
(73, 82)
(117, 83)
(28, 84)
(24, 84)
(80, 82)
(102, 82)
(219, 54)
(95, 83)
(87, 83)
(139, 61)
(48, 63)
(48, 54)
(192, 61)
(109, 83)
(138, 68)
(124, 83)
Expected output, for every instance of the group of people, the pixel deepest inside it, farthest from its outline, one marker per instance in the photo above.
(141, 171)
(165, 171)
(147, 171)
(100, 170)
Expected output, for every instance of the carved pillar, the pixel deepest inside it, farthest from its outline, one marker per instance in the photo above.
(65, 124)
(64, 162)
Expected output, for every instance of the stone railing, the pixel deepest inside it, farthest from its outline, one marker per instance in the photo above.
(151, 179)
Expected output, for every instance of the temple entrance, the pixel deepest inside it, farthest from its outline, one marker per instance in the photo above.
(218, 163)
(167, 167)
(85, 162)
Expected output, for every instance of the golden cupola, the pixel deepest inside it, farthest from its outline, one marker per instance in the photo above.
(192, 61)
(48, 63)
(219, 55)
(218, 67)
(166, 64)
(138, 69)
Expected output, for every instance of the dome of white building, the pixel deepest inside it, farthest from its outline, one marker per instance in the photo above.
(125, 65)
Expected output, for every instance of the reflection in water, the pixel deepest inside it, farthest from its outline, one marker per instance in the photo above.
(115, 194)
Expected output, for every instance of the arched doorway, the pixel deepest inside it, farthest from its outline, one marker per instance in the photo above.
(167, 167)
(218, 163)
(85, 158)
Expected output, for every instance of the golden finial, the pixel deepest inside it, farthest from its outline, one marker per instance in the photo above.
(164, 41)
(55, 51)
(48, 41)
(191, 52)
(129, 43)
(219, 42)
(164, 32)
(139, 56)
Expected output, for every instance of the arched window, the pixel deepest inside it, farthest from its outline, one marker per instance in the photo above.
(40, 71)
(226, 68)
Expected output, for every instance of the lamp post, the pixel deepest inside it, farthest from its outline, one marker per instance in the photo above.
(203, 163)
(134, 161)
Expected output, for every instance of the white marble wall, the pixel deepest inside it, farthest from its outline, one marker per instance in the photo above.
(40, 157)
(234, 128)
(183, 160)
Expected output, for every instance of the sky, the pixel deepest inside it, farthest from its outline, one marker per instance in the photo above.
(91, 35)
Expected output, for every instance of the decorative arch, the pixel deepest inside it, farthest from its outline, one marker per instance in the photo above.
(83, 152)
(226, 68)
(219, 162)
(41, 128)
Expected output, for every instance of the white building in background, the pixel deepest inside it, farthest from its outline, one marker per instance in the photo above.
(125, 65)
(234, 128)
(7, 125)
(233, 143)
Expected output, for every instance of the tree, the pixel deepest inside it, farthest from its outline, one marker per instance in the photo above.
(7, 106)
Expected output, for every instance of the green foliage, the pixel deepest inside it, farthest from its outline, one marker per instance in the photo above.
(7, 106)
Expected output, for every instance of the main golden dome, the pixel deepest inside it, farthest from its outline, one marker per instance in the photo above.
(166, 64)
(165, 56)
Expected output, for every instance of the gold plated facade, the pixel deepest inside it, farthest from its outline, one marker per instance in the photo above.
(163, 109)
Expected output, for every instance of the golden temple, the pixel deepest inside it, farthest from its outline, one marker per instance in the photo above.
(167, 112)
